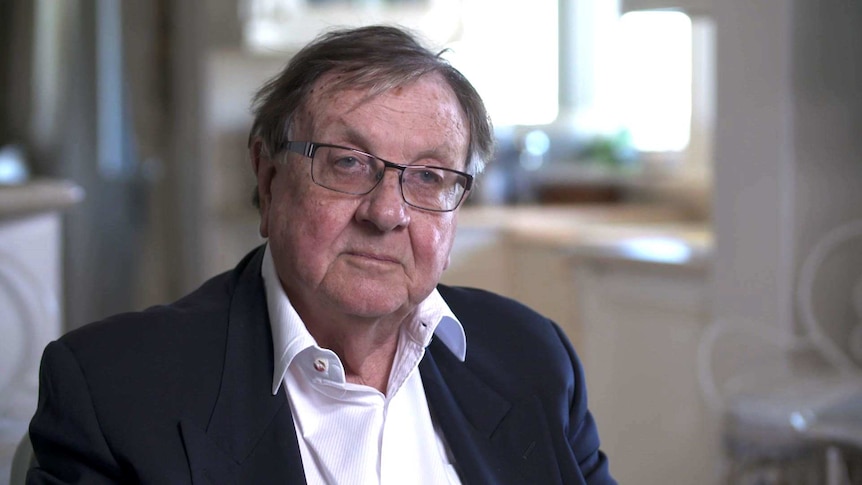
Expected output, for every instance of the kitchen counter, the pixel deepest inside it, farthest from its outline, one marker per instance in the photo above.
(38, 195)
(642, 234)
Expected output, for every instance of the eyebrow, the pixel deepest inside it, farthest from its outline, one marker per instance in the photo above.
(354, 137)
(437, 156)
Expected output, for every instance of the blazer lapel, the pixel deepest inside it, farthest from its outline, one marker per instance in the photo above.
(493, 439)
(250, 437)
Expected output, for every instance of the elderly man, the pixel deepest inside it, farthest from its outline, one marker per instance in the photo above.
(331, 354)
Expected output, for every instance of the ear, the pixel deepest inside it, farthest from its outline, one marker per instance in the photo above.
(264, 169)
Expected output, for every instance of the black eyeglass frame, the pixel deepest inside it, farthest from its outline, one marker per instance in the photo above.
(308, 148)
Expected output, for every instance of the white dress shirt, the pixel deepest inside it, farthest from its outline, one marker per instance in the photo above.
(354, 434)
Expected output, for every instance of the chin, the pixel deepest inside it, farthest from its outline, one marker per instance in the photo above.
(370, 304)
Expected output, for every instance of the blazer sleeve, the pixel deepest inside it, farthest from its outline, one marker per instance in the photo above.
(582, 432)
(67, 440)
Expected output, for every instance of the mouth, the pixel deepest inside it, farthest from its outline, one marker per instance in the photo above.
(374, 257)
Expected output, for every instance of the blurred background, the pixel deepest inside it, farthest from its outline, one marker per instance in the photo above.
(678, 183)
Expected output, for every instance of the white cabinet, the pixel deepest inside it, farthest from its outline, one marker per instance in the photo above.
(30, 297)
(543, 282)
(29, 306)
(479, 259)
(640, 326)
(532, 273)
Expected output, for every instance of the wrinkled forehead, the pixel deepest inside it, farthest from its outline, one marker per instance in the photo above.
(334, 94)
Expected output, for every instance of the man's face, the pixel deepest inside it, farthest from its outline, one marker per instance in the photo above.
(372, 255)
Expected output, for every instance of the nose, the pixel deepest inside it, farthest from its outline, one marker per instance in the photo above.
(384, 207)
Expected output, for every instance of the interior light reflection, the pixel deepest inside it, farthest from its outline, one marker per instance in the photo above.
(657, 249)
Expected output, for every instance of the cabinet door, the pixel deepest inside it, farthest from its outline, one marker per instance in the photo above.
(29, 307)
(29, 319)
(479, 259)
(640, 329)
(542, 280)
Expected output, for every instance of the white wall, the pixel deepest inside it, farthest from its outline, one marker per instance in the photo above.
(827, 75)
(754, 156)
(788, 151)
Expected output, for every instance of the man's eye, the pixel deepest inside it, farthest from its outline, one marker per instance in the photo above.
(346, 162)
(427, 177)
(350, 164)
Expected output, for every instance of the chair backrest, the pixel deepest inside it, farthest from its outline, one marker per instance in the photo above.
(22, 461)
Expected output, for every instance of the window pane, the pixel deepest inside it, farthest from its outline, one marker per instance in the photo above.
(509, 51)
(655, 79)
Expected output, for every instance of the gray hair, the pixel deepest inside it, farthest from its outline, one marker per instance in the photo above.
(377, 58)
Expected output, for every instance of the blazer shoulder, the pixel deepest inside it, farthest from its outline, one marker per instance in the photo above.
(486, 311)
(465, 299)
(503, 333)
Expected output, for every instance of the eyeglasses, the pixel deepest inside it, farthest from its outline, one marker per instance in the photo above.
(355, 172)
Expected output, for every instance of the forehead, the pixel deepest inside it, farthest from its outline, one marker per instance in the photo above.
(423, 111)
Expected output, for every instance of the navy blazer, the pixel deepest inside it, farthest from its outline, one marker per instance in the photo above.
(181, 394)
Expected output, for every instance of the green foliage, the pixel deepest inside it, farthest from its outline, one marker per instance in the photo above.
(609, 150)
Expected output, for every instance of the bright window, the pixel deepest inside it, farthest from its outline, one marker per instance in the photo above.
(631, 72)
(510, 52)
(654, 79)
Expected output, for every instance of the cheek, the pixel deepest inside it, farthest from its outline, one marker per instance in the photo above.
(308, 225)
(432, 246)
(291, 221)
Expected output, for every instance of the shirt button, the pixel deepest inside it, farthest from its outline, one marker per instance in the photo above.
(320, 364)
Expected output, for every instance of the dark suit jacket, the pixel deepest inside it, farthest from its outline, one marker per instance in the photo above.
(181, 394)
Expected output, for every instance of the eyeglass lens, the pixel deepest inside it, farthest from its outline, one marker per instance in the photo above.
(353, 172)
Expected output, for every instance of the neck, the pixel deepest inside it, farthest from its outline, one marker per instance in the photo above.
(366, 349)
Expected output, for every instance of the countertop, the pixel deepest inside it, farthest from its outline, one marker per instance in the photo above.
(38, 195)
(651, 234)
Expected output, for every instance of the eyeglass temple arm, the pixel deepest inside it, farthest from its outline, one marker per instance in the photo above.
(302, 147)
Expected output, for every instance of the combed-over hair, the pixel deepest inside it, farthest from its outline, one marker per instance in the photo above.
(377, 58)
